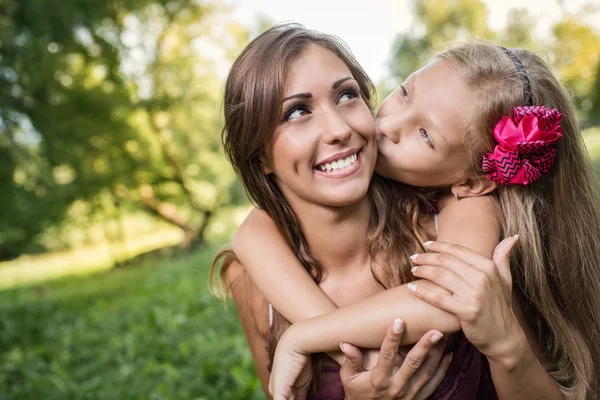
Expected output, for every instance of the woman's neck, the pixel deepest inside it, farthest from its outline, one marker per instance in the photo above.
(336, 236)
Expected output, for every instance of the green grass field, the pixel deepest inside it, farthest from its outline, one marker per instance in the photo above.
(148, 331)
(151, 331)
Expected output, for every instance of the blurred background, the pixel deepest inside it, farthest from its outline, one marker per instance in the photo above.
(115, 193)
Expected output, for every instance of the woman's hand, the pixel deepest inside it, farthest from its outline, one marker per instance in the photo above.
(419, 375)
(481, 295)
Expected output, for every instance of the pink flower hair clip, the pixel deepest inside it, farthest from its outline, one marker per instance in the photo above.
(525, 148)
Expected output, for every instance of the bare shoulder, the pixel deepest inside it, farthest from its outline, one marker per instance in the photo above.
(473, 222)
(255, 224)
(481, 207)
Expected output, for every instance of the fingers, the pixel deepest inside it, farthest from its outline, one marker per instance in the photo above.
(432, 384)
(387, 355)
(432, 286)
(459, 259)
(353, 363)
(445, 278)
(446, 302)
(454, 255)
(430, 365)
(417, 355)
(501, 257)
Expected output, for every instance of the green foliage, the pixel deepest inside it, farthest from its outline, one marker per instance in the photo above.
(110, 100)
(149, 332)
(574, 50)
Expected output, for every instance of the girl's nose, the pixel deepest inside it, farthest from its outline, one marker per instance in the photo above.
(388, 127)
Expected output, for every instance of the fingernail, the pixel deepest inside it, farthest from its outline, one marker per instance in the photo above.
(412, 287)
(413, 269)
(450, 358)
(427, 243)
(413, 257)
(516, 236)
(436, 337)
(397, 327)
(342, 347)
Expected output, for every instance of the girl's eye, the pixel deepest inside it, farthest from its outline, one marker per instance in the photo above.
(426, 137)
(347, 95)
(404, 92)
(295, 113)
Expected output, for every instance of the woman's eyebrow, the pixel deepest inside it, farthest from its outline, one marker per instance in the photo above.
(337, 83)
(307, 95)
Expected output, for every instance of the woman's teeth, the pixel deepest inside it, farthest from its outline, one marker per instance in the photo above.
(339, 164)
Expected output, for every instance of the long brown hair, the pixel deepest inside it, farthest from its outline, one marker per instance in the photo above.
(556, 264)
(254, 92)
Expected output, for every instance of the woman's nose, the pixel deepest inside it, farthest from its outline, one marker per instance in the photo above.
(336, 128)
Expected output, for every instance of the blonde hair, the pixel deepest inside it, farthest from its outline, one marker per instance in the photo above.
(556, 264)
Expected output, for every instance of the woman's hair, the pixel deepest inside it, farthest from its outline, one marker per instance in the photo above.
(556, 263)
(254, 91)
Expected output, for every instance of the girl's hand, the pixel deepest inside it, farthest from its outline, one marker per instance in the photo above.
(481, 295)
(291, 372)
(419, 375)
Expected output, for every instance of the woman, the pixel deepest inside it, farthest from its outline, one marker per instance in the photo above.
(276, 160)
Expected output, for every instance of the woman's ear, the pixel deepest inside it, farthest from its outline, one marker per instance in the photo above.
(267, 170)
(473, 187)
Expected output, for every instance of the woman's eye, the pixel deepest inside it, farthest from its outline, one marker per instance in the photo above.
(295, 113)
(404, 92)
(426, 137)
(347, 95)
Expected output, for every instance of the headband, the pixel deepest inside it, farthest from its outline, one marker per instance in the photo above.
(522, 74)
(526, 146)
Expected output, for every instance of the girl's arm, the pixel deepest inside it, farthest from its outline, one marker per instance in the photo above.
(280, 277)
(471, 222)
(276, 271)
(519, 374)
(252, 309)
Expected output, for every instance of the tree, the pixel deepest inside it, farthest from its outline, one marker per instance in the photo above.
(574, 51)
(110, 98)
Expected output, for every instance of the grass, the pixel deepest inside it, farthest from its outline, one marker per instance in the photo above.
(151, 331)
(29, 269)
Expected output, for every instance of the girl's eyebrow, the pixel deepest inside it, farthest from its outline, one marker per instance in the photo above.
(308, 95)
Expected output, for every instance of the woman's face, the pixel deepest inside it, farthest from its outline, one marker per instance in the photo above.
(324, 149)
(419, 128)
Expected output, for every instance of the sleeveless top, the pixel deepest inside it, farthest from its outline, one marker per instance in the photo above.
(467, 378)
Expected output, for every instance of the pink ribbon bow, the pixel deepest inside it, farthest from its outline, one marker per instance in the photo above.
(524, 151)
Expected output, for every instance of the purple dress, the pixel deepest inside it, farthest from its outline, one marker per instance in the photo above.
(467, 378)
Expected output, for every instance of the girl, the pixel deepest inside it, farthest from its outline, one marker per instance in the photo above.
(276, 160)
(472, 103)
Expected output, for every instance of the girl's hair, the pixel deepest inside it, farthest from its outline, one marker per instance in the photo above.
(556, 263)
(254, 92)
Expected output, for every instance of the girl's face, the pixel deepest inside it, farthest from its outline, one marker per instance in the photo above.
(419, 128)
(324, 149)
